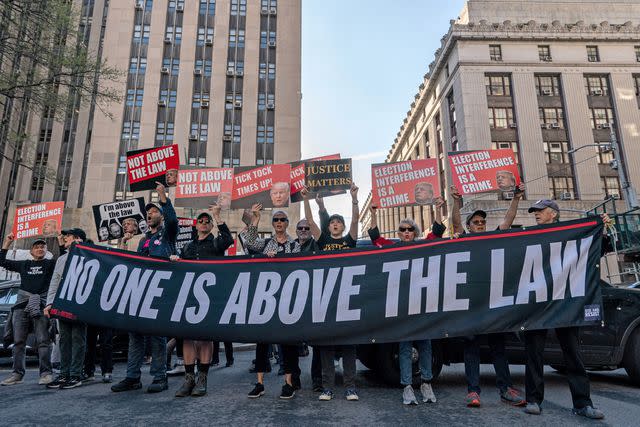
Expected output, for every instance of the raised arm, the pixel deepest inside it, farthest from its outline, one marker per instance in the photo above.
(249, 236)
(455, 211)
(355, 212)
(322, 212)
(315, 231)
(513, 208)
(169, 213)
(374, 217)
(7, 263)
(224, 238)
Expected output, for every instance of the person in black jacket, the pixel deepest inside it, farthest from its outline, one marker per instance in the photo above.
(35, 276)
(203, 247)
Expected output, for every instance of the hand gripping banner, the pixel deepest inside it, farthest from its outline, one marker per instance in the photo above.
(534, 278)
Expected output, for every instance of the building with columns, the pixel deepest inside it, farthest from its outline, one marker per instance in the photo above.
(541, 77)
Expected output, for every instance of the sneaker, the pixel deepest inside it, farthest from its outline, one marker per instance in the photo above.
(589, 412)
(187, 386)
(178, 368)
(12, 379)
(513, 397)
(408, 396)
(88, 377)
(229, 363)
(427, 393)
(45, 379)
(107, 378)
(126, 385)
(317, 387)
(158, 385)
(326, 395)
(72, 382)
(287, 392)
(532, 409)
(57, 382)
(257, 391)
(473, 400)
(201, 385)
(351, 395)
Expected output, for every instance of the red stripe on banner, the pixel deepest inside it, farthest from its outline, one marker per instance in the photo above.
(354, 254)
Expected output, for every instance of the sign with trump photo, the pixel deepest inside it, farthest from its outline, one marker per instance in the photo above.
(39, 219)
(268, 185)
(202, 187)
(412, 182)
(484, 171)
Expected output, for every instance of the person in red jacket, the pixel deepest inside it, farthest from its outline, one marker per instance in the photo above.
(408, 231)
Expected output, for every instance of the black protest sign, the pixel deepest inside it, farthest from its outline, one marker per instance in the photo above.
(515, 280)
(328, 177)
(115, 219)
(186, 232)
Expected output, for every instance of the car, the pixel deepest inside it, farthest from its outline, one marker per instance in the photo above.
(8, 297)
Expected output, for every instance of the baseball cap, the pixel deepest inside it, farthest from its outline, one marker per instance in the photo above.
(336, 216)
(77, 232)
(479, 212)
(279, 212)
(154, 205)
(38, 242)
(205, 214)
(542, 204)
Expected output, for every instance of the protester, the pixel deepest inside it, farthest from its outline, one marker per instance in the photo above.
(228, 353)
(334, 240)
(106, 353)
(203, 247)
(129, 229)
(26, 314)
(158, 241)
(548, 212)
(477, 223)
(408, 231)
(72, 334)
(280, 243)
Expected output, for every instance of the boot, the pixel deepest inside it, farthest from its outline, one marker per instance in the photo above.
(187, 386)
(201, 385)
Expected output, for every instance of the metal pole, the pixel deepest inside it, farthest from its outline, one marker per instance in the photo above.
(630, 195)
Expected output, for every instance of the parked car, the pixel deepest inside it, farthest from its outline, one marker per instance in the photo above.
(8, 297)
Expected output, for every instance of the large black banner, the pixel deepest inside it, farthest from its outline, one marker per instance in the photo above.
(533, 278)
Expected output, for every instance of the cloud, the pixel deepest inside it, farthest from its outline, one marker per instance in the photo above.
(372, 155)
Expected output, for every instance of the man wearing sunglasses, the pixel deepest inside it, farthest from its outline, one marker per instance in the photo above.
(408, 231)
(205, 246)
(477, 223)
(280, 243)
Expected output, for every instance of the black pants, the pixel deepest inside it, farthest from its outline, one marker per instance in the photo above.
(289, 355)
(576, 374)
(228, 352)
(498, 357)
(106, 350)
(316, 366)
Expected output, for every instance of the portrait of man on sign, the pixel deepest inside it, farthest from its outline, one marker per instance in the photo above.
(171, 177)
(506, 181)
(423, 193)
(224, 200)
(280, 194)
(50, 228)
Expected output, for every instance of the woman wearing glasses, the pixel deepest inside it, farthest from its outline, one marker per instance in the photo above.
(408, 231)
(280, 243)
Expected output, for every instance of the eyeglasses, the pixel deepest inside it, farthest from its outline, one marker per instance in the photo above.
(404, 229)
(279, 219)
(479, 222)
(204, 221)
(304, 228)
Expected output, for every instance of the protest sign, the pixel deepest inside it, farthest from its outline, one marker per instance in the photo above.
(38, 219)
(412, 182)
(543, 277)
(328, 177)
(483, 171)
(115, 219)
(148, 165)
(186, 232)
(202, 187)
(298, 175)
(267, 184)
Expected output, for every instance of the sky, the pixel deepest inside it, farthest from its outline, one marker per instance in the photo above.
(362, 63)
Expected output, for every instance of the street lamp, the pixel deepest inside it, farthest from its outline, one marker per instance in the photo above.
(630, 195)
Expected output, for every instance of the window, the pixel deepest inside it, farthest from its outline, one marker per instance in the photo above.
(236, 38)
(544, 53)
(205, 65)
(547, 85)
(593, 55)
(556, 152)
(230, 99)
(604, 156)
(205, 5)
(198, 98)
(601, 118)
(637, 50)
(169, 96)
(174, 33)
(495, 52)
(164, 131)
(266, 38)
(561, 187)
(500, 118)
(174, 3)
(265, 134)
(552, 117)
(498, 85)
(239, 7)
(504, 145)
(173, 64)
(138, 65)
(141, 33)
(204, 34)
(611, 186)
(265, 99)
(134, 97)
(131, 130)
(596, 85)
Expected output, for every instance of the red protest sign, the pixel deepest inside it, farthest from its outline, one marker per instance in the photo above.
(412, 182)
(267, 184)
(483, 171)
(39, 219)
(146, 166)
(298, 175)
(202, 187)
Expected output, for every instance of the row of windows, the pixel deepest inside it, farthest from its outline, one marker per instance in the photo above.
(549, 85)
(550, 117)
(544, 53)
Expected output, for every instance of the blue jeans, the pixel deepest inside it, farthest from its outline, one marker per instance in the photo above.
(136, 356)
(424, 359)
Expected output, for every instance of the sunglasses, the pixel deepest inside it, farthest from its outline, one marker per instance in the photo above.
(204, 221)
(403, 229)
(279, 219)
(479, 222)
(304, 228)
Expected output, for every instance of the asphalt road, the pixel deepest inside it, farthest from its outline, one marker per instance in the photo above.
(227, 404)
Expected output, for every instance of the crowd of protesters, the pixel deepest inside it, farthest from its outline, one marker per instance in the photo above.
(77, 342)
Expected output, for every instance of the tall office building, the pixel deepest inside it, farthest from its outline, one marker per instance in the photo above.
(219, 78)
(541, 77)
